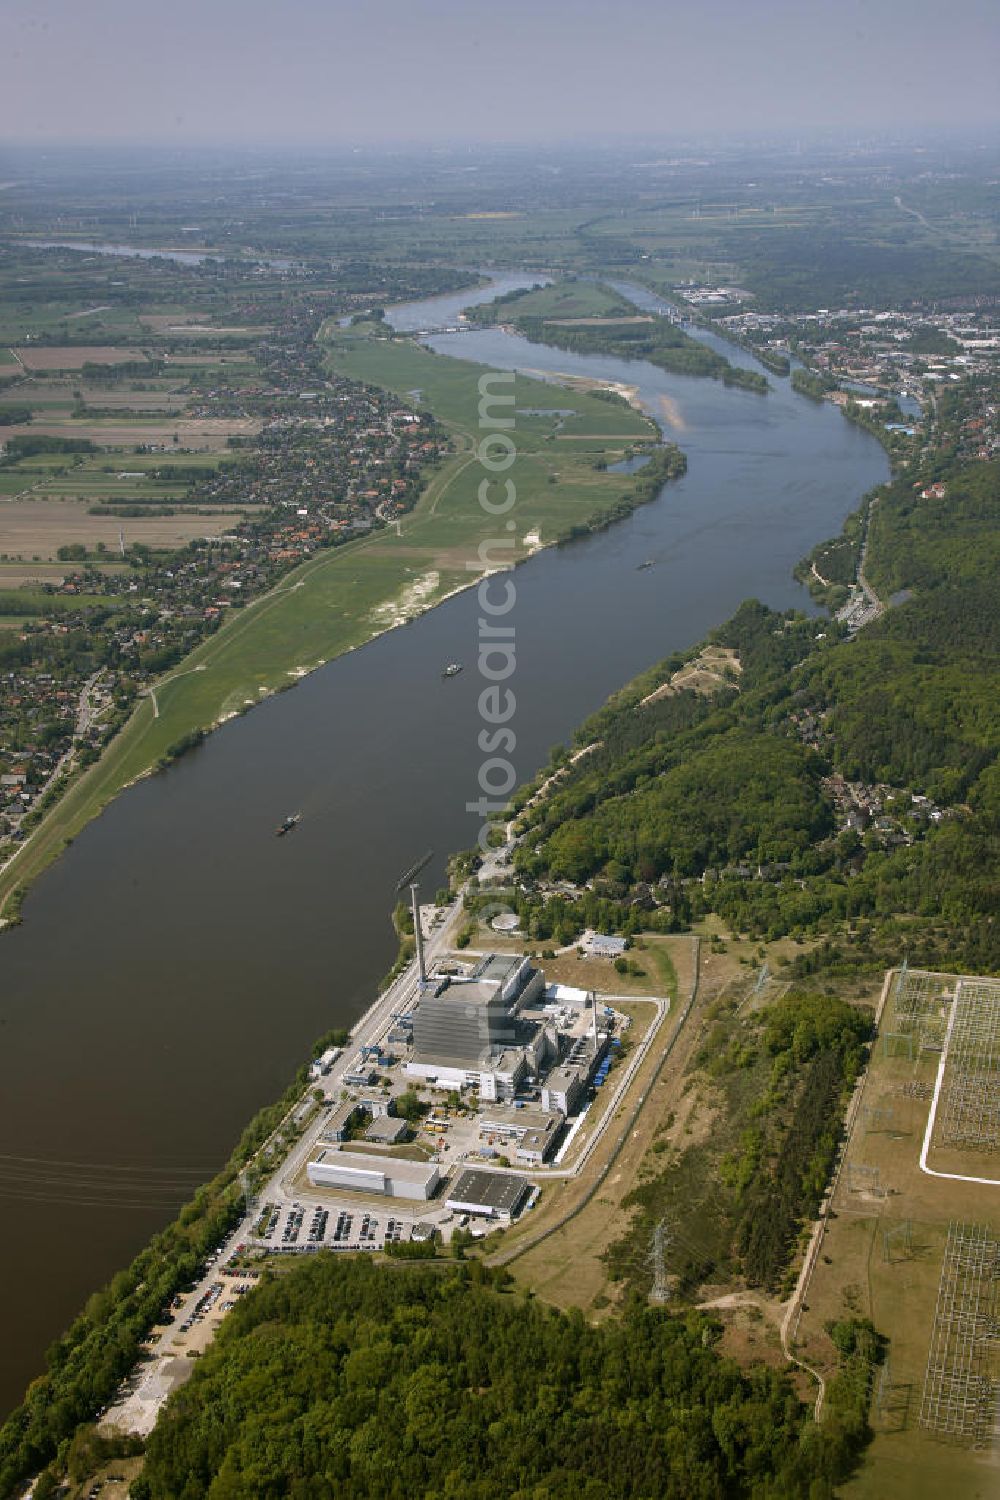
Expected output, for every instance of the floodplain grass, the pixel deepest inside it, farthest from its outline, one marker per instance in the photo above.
(449, 387)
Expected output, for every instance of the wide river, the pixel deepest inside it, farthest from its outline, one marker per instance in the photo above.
(176, 964)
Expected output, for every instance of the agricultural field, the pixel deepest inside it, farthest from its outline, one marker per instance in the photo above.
(203, 434)
(21, 575)
(34, 529)
(74, 356)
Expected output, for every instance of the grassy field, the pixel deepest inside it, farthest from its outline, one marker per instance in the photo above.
(18, 322)
(564, 299)
(342, 598)
(17, 575)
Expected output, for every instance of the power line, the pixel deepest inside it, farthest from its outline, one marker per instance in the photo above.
(104, 1166)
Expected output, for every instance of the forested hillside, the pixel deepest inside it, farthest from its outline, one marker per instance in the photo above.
(842, 787)
(737, 1196)
(352, 1380)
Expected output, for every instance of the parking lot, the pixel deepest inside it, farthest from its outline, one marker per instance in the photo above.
(304, 1226)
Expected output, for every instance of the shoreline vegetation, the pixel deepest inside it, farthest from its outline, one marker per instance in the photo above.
(260, 651)
(608, 325)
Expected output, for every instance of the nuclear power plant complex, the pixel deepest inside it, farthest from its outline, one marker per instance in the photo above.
(514, 1056)
(483, 1077)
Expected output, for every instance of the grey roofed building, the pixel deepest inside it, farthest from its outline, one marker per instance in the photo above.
(388, 1130)
(501, 968)
(497, 1194)
(535, 1145)
(603, 945)
(338, 1125)
(466, 1023)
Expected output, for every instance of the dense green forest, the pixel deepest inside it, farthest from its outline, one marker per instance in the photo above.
(726, 804)
(354, 1380)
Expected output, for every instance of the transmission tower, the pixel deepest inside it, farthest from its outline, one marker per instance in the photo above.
(661, 1240)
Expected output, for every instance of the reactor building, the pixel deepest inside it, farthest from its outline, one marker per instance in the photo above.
(469, 1032)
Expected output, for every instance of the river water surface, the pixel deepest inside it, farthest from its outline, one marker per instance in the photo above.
(175, 965)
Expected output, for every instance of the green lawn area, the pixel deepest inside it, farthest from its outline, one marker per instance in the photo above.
(46, 463)
(7, 357)
(566, 299)
(133, 463)
(343, 597)
(54, 401)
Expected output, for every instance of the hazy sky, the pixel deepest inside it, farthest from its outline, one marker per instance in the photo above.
(341, 71)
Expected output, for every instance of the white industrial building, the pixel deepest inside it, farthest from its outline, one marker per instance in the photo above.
(321, 1065)
(386, 1176)
(563, 1090)
(565, 1087)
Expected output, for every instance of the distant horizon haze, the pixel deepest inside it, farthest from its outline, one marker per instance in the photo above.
(443, 72)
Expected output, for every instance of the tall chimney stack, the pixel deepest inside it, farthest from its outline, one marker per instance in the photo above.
(417, 934)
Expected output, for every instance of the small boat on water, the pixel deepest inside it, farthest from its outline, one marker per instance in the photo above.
(452, 669)
(287, 824)
(647, 564)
